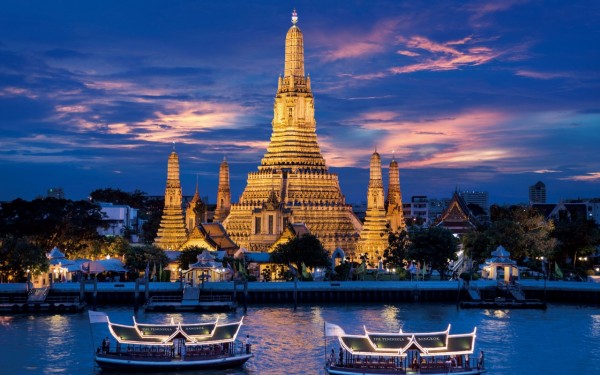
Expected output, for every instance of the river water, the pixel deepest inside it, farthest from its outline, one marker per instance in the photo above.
(564, 339)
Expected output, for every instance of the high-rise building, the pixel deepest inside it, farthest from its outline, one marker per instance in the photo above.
(537, 193)
(171, 233)
(223, 193)
(56, 192)
(480, 198)
(293, 183)
(373, 240)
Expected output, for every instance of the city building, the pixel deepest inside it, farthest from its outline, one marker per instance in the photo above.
(120, 219)
(293, 183)
(537, 193)
(480, 198)
(55, 192)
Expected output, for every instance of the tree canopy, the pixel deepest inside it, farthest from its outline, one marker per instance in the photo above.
(306, 249)
(434, 246)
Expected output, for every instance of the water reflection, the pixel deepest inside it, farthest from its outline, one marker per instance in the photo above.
(563, 338)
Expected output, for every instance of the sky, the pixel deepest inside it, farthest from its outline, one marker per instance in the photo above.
(469, 95)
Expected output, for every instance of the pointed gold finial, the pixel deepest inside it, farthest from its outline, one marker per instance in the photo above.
(294, 17)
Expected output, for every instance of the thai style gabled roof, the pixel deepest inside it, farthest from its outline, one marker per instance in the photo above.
(164, 334)
(457, 217)
(397, 344)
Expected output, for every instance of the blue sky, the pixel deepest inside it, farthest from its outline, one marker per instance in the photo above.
(476, 95)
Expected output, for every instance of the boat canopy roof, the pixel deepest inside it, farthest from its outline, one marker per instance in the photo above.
(164, 334)
(397, 344)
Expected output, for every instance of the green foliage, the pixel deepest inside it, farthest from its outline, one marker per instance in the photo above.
(46, 223)
(136, 199)
(306, 249)
(434, 246)
(576, 236)
(188, 256)
(18, 255)
(136, 258)
(523, 231)
(398, 244)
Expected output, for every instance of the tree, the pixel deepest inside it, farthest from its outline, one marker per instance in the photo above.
(136, 199)
(398, 244)
(576, 236)
(137, 258)
(434, 246)
(17, 256)
(189, 255)
(49, 222)
(306, 249)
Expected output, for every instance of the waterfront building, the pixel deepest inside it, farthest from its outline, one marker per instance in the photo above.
(373, 240)
(537, 193)
(171, 233)
(118, 218)
(394, 211)
(223, 193)
(293, 183)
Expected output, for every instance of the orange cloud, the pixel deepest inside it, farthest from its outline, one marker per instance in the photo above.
(592, 176)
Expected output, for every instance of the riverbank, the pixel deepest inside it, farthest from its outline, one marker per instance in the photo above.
(132, 293)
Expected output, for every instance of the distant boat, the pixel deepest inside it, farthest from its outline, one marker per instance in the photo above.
(377, 353)
(169, 347)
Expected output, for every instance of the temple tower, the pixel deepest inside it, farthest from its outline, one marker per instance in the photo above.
(373, 238)
(171, 233)
(394, 213)
(195, 212)
(223, 193)
(293, 184)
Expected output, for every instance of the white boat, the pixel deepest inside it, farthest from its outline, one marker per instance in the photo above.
(385, 353)
(170, 347)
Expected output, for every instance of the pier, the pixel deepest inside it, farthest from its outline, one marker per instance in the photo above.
(130, 293)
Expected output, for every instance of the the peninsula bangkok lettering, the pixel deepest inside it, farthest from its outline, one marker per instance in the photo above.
(397, 338)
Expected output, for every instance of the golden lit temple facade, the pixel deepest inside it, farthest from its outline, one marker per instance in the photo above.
(373, 237)
(293, 184)
(394, 212)
(172, 233)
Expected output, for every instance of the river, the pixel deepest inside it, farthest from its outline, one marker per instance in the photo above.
(564, 339)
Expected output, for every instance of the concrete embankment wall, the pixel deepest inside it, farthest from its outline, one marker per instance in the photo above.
(124, 293)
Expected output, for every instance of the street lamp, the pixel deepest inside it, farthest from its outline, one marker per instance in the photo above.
(180, 278)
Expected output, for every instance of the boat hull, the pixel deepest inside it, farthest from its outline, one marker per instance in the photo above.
(128, 363)
(335, 370)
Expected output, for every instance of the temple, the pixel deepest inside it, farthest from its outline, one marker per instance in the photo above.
(394, 213)
(293, 184)
(172, 233)
(223, 193)
(373, 240)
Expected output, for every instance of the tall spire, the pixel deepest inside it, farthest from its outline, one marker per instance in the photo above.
(223, 193)
(294, 50)
(372, 237)
(394, 212)
(171, 233)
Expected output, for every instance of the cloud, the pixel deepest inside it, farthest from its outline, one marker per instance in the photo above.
(444, 56)
(353, 45)
(544, 75)
(589, 177)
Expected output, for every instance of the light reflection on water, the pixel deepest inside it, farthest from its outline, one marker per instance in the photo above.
(563, 338)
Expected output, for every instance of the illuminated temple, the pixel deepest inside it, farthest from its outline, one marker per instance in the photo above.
(172, 233)
(293, 184)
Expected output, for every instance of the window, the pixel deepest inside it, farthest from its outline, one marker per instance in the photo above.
(270, 224)
(257, 225)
